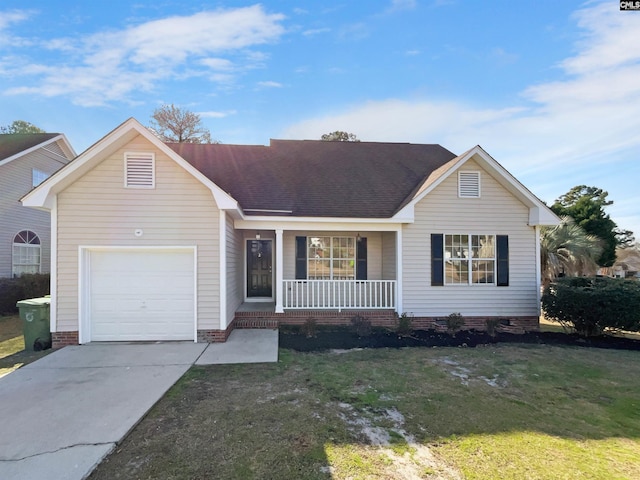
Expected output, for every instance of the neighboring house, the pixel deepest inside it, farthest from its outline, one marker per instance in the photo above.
(26, 160)
(186, 242)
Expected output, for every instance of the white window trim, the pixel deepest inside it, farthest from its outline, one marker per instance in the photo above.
(468, 174)
(140, 155)
(470, 260)
(331, 257)
(27, 245)
(38, 176)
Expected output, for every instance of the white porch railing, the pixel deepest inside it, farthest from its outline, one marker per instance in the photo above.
(339, 294)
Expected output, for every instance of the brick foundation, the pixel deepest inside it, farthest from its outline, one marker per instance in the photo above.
(378, 318)
(215, 336)
(62, 339)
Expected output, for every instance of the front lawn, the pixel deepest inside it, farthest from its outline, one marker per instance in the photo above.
(502, 411)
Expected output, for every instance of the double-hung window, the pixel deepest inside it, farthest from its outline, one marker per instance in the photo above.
(331, 258)
(469, 259)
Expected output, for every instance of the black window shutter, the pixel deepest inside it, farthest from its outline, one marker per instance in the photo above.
(502, 250)
(361, 259)
(437, 260)
(301, 258)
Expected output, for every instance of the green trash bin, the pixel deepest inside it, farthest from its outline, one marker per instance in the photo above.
(35, 323)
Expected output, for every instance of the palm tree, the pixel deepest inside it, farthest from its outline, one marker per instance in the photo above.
(567, 249)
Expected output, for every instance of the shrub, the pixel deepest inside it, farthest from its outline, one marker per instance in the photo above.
(361, 325)
(26, 286)
(593, 305)
(309, 327)
(404, 323)
(455, 322)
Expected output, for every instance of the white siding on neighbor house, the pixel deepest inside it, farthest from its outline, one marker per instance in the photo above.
(235, 269)
(497, 212)
(15, 182)
(97, 210)
(374, 251)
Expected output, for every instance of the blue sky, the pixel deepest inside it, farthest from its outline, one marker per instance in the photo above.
(550, 89)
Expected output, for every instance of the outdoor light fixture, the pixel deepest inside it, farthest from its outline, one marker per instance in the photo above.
(258, 236)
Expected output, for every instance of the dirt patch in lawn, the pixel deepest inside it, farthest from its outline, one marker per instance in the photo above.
(344, 339)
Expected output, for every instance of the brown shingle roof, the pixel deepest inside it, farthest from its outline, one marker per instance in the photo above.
(13, 143)
(318, 179)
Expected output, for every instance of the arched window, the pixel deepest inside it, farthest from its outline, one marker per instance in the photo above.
(26, 253)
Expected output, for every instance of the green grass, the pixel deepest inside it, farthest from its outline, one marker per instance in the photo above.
(12, 352)
(506, 411)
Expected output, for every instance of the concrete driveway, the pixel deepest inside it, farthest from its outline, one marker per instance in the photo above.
(60, 416)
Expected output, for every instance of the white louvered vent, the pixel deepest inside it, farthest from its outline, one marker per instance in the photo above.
(469, 184)
(139, 170)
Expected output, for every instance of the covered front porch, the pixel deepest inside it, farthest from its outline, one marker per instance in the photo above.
(318, 270)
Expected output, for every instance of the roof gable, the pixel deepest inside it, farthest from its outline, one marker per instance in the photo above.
(539, 213)
(43, 195)
(16, 145)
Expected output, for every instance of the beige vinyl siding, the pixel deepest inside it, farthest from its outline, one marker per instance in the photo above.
(374, 251)
(15, 182)
(235, 269)
(389, 255)
(497, 212)
(97, 210)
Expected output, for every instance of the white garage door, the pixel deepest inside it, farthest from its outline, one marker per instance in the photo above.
(140, 295)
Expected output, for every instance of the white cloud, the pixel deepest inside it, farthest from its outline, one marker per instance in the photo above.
(213, 114)
(589, 115)
(315, 31)
(9, 18)
(403, 4)
(584, 125)
(13, 16)
(110, 66)
(270, 84)
(217, 63)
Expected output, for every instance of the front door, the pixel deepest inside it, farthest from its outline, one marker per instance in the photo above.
(259, 269)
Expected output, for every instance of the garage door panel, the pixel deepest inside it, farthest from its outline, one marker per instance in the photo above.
(142, 295)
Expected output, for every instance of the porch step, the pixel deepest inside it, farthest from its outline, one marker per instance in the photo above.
(254, 322)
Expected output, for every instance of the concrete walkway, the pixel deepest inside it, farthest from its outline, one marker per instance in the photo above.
(61, 415)
(243, 346)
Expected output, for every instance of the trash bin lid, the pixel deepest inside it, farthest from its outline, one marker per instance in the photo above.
(34, 302)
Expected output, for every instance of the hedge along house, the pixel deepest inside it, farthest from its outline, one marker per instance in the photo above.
(156, 241)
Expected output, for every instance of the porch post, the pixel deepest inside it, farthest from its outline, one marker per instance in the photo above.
(399, 271)
(279, 271)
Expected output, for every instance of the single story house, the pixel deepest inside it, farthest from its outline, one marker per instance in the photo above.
(156, 241)
(26, 160)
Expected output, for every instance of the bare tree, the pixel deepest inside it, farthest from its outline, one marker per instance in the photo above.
(178, 125)
(339, 136)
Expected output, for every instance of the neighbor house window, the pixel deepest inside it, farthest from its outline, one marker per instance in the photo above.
(26, 253)
(469, 259)
(139, 170)
(38, 176)
(331, 258)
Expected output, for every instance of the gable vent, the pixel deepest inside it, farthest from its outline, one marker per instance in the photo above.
(139, 170)
(469, 184)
